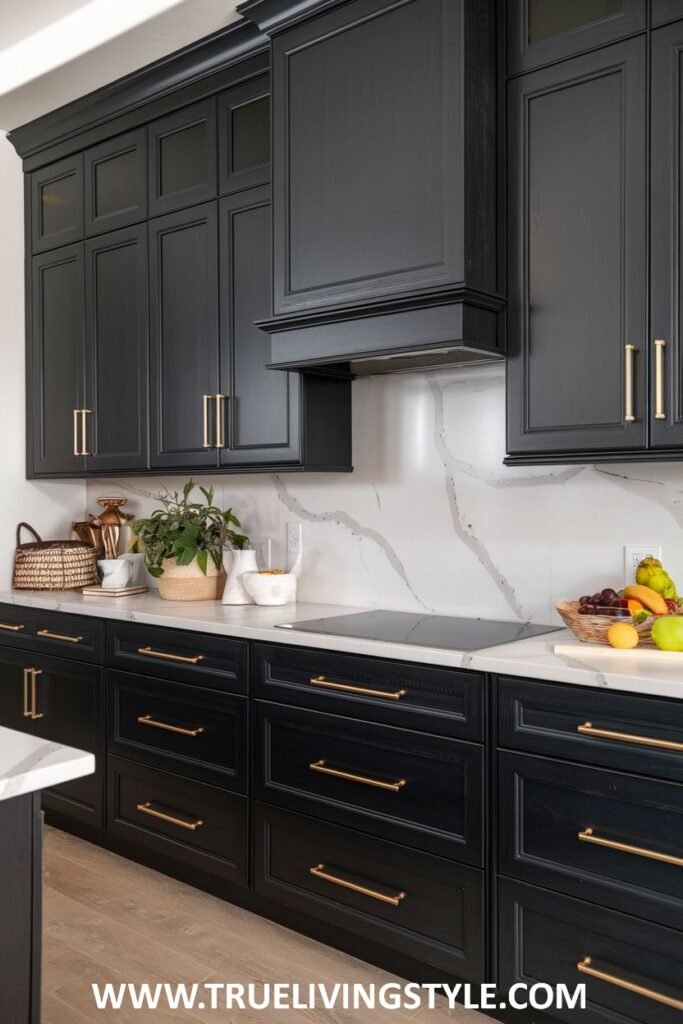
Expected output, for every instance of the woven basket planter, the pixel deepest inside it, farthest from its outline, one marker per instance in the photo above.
(188, 582)
(53, 564)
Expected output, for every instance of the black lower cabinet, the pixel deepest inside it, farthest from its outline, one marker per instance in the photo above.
(20, 900)
(631, 968)
(422, 906)
(200, 828)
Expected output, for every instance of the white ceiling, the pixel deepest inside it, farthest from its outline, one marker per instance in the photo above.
(52, 51)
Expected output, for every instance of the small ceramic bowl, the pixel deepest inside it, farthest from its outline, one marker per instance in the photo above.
(271, 587)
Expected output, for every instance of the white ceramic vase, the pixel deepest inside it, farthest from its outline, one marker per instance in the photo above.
(270, 588)
(242, 561)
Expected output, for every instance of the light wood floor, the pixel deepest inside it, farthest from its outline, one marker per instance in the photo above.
(109, 920)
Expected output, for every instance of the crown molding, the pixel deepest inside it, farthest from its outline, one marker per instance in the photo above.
(271, 16)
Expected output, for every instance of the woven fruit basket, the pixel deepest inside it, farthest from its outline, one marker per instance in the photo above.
(592, 629)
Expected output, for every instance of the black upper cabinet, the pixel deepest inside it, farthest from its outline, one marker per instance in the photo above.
(577, 261)
(544, 31)
(57, 363)
(665, 10)
(183, 263)
(244, 138)
(260, 407)
(666, 221)
(57, 204)
(116, 350)
(116, 183)
(182, 158)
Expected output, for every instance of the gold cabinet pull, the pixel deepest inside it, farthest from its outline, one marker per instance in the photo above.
(320, 872)
(48, 635)
(220, 440)
(629, 415)
(322, 767)
(588, 729)
(11, 627)
(30, 701)
(191, 826)
(148, 720)
(585, 966)
(362, 690)
(588, 836)
(84, 431)
(206, 399)
(660, 345)
(76, 444)
(186, 659)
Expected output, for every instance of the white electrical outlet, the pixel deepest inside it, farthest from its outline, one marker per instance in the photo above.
(635, 553)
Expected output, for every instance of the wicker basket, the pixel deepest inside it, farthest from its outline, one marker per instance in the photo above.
(592, 629)
(53, 564)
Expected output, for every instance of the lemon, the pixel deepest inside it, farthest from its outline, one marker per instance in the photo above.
(622, 635)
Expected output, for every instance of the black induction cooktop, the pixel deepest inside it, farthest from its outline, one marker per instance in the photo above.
(422, 630)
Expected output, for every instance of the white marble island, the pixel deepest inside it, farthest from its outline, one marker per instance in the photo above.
(28, 764)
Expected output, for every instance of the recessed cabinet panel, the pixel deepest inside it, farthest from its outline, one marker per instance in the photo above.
(57, 361)
(544, 31)
(261, 405)
(57, 204)
(14, 695)
(366, 203)
(665, 10)
(244, 136)
(666, 267)
(578, 254)
(116, 183)
(183, 251)
(116, 353)
(182, 158)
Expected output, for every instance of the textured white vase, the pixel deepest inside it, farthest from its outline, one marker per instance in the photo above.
(242, 561)
(270, 588)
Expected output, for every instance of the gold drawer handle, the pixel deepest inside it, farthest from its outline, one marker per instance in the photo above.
(185, 659)
(60, 636)
(148, 720)
(321, 766)
(13, 629)
(629, 414)
(347, 688)
(660, 345)
(191, 826)
(588, 729)
(588, 836)
(319, 872)
(585, 967)
(30, 701)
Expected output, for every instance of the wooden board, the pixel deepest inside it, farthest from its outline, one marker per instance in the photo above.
(582, 650)
(121, 592)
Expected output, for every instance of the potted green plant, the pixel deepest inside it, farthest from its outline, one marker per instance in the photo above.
(183, 544)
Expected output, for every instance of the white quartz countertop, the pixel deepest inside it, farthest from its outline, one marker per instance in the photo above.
(532, 659)
(28, 763)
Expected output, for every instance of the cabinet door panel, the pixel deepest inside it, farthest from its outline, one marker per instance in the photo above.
(544, 31)
(14, 698)
(116, 183)
(184, 334)
(182, 158)
(116, 350)
(578, 254)
(666, 267)
(57, 204)
(57, 357)
(244, 136)
(262, 405)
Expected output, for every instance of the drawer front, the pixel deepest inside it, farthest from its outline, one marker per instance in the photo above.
(613, 838)
(185, 821)
(201, 733)
(422, 790)
(445, 701)
(544, 937)
(423, 906)
(211, 661)
(76, 637)
(640, 734)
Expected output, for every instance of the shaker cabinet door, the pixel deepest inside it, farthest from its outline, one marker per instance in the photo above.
(182, 158)
(577, 359)
(116, 350)
(244, 136)
(57, 356)
(261, 406)
(57, 204)
(183, 257)
(116, 183)
(15, 694)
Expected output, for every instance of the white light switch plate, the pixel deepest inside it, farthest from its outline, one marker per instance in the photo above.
(635, 553)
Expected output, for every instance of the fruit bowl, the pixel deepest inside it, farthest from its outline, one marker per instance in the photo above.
(592, 629)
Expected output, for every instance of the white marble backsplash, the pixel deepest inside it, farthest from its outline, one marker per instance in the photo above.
(432, 520)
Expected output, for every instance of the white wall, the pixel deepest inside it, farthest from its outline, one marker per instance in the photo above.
(432, 520)
(49, 507)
